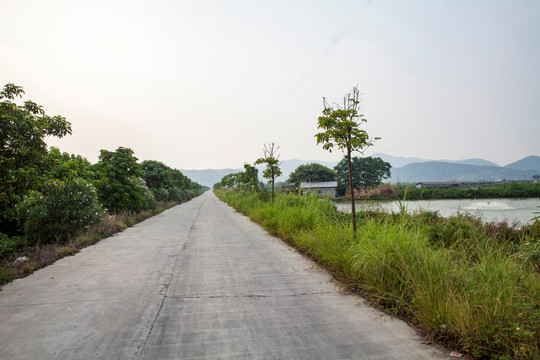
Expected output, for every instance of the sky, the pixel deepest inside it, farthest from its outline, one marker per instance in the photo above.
(200, 84)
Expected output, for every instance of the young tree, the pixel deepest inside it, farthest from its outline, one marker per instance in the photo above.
(271, 159)
(340, 127)
(367, 172)
(311, 172)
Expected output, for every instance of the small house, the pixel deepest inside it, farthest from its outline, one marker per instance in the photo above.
(327, 188)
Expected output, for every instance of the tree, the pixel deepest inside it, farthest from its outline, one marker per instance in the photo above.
(64, 166)
(271, 159)
(312, 172)
(231, 180)
(340, 127)
(367, 172)
(250, 177)
(116, 184)
(23, 150)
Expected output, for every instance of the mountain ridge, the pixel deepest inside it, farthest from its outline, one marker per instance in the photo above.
(406, 170)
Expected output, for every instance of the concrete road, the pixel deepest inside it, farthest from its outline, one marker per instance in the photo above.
(198, 281)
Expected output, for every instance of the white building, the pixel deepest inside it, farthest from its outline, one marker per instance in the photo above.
(327, 188)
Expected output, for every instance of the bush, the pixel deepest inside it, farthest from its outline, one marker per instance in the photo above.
(62, 211)
(160, 194)
(177, 195)
(8, 245)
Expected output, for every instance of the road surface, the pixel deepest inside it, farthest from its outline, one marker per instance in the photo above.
(198, 281)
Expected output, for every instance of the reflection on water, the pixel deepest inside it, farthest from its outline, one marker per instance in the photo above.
(512, 210)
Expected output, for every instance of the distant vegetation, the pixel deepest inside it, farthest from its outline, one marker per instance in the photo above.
(465, 284)
(52, 203)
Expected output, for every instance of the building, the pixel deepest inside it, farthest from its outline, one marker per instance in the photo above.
(327, 188)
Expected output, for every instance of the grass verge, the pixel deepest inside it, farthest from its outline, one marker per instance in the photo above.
(40, 256)
(464, 284)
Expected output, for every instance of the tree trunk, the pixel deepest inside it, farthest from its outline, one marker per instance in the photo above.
(273, 187)
(351, 187)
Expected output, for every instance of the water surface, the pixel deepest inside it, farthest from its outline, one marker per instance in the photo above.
(511, 210)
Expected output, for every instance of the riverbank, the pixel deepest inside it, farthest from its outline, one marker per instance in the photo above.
(464, 284)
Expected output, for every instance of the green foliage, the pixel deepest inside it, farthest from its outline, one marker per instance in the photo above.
(466, 284)
(367, 172)
(341, 128)
(61, 211)
(312, 172)
(231, 180)
(156, 174)
(250, 177)
(246, 180)
(271, 159)
(63, 166)
(116, 183)
(341, 125)
(167, 184)
(8, 245)
(23, 151)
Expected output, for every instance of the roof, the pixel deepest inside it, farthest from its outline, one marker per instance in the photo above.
(318, 185)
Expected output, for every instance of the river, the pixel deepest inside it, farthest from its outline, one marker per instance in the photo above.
(490, 210)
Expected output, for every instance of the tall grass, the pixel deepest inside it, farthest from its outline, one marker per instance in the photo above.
(453, 279)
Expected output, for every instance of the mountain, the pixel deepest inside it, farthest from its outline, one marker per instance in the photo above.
(476, 162)
(397, 162)
(413, 170)
(208, 177)
(445, 171)
(528, 163)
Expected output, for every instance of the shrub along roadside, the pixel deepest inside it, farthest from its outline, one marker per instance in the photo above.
(44, 254)
(463, 284)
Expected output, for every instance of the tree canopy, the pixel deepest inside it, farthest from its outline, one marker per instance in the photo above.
(116, 184)
(23, 150)
(367, 172)
(312, 172)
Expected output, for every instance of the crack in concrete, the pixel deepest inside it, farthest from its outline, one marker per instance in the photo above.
(250, 296)
(163, 291)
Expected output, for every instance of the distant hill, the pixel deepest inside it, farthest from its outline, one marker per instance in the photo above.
(443, 171)
(476, 162)
(208, 177)
(528, 163)
(413, 170)
(397, 162)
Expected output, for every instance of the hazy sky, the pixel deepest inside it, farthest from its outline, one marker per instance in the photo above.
(204, 84)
